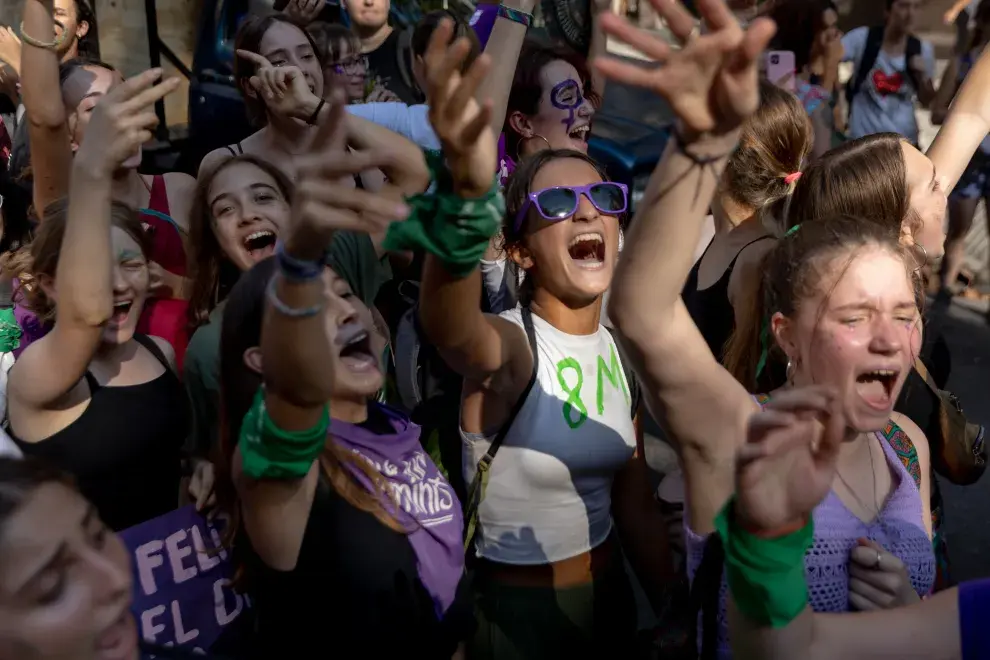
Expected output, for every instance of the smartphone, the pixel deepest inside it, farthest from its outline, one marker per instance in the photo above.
(781, 69)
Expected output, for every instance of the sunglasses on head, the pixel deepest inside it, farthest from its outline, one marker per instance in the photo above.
(561, 202)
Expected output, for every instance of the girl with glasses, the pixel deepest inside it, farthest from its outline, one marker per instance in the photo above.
(549, 420)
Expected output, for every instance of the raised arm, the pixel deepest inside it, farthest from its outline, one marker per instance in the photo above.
(299, 354)
(965, 127)
(51, 153)
(51, 367)
(783, 472)
(481, 348)
(503, 48)
(711, 84)
(406, 169)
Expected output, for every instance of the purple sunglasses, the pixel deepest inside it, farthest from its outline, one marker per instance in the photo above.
(561, 202)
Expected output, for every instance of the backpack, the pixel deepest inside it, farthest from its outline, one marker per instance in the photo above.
(874, 42)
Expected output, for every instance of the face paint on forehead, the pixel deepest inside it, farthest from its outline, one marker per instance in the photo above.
(566, 95)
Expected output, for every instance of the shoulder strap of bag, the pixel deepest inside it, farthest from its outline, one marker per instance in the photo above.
(476, 491)
(874, 42)
(922, 370)
(635, 391)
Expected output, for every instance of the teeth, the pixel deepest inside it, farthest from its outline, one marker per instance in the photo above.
(358, 338)
(258, 234)
(587, 236)
(121, 304)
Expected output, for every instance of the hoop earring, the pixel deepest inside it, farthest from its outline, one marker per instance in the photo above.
(524, 140)
(925, 253)
(789, 371)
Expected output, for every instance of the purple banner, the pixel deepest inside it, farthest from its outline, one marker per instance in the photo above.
(483, 22)
(182, 596)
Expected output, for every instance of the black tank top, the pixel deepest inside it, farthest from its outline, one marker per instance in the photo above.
(710, 308)
(355, 583)
(124, 450)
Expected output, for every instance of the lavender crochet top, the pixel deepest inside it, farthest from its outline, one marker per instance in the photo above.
(900, 529)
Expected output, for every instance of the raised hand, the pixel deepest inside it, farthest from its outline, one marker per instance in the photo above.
(878, 580)
(789, 460)
(711, 82)
(326, 200)
(461, 124)
(304, 12)
(122, 121)
(10, 48)
(283, 89)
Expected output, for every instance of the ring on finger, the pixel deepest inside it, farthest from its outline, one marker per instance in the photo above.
(692, 35)
(876, 566)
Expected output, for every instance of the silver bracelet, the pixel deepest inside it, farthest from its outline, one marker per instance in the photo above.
(285, 310)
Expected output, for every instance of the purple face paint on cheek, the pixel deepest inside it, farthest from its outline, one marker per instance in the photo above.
(566, 95)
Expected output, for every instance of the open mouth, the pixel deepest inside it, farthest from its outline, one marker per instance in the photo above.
(588, 250)
(580, 134)
(119, 641)
(121, 310)
(356, 351)
(877, 387)
(260, 244)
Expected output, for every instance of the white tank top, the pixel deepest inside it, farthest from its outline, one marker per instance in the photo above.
(549, 489)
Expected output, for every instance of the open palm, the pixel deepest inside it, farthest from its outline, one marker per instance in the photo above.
(711, 82)
(788, 463)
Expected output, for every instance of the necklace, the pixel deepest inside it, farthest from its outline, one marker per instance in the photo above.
(873, 474)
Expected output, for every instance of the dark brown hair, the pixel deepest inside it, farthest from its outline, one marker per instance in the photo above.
(240, 331)
(40, 257)
(800, 21)
(330, 37)
(248, 38)
(207, 260)
(517, 190)
(793, 271)
(527, 87)
(775, 141)
(424, 30)
(864, 178)
(20, 477)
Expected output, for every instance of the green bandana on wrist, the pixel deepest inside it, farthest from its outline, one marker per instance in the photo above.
(268, 452)
(765, 576)
(455, 230)
(10, 331)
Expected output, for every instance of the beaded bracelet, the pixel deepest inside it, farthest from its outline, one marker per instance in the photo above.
(515, 15)
(285, 310)
(46, 45)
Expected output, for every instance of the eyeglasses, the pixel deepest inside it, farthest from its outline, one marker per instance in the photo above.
(561, 202)
(352, 65)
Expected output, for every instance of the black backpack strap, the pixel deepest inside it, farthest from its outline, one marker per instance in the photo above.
(874, 42)
(404, 57)
(706, 591)
(913, 50)
(635, 391)
(476, 491)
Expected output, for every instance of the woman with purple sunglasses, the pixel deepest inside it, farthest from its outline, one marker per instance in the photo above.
(549, 415)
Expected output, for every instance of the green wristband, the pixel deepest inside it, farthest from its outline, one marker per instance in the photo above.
(10, 331)
(765, 576)
(268, 452)
(455, 230)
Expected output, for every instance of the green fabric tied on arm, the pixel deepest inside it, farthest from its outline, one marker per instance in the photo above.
(268, 452)
(10, 331)
(765, 576)
(455, 230)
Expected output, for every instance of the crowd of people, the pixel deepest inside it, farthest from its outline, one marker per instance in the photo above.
(401, 343)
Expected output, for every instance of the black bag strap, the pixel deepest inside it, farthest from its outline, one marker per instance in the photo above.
(874, 42)
(635, 391)
(706, 592)
(476, 491)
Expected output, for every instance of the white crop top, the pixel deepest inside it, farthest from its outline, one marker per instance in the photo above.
(549, 490)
